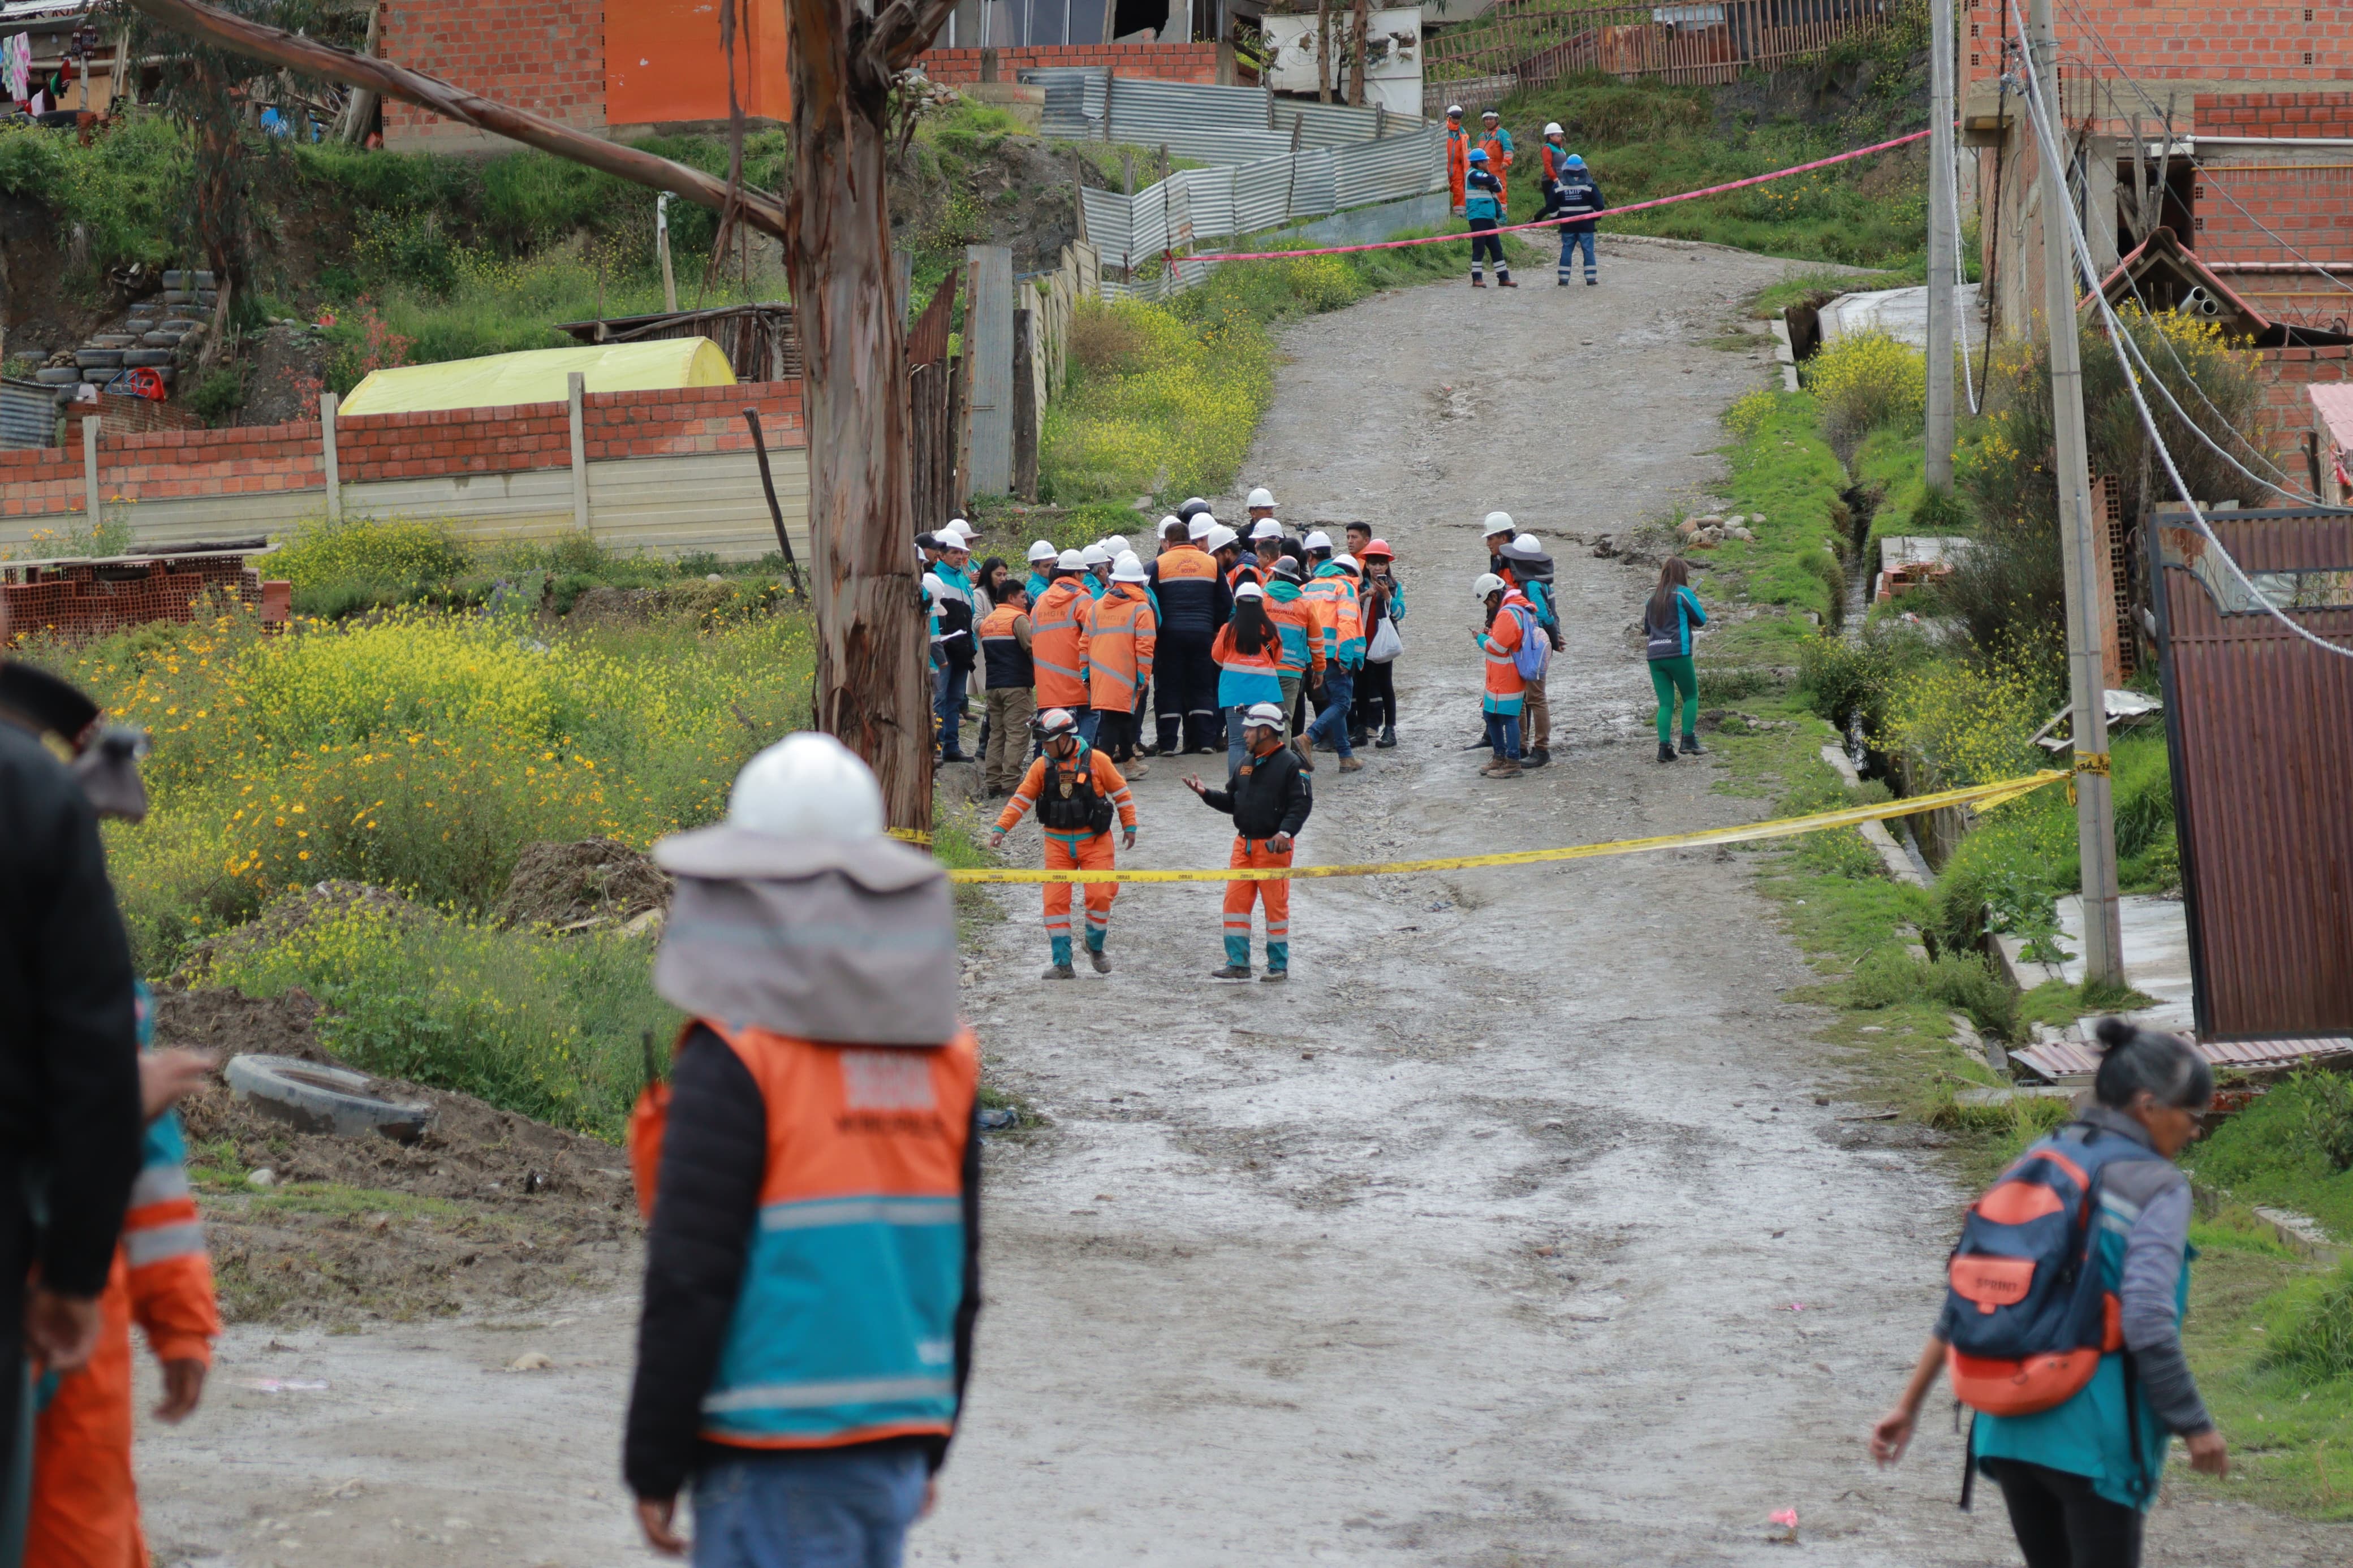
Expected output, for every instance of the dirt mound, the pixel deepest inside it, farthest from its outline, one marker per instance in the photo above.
(488, 1207)
(289, 913)
(571, 887)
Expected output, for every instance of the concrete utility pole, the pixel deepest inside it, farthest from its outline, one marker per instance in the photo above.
(2094, 805)
(1941, 240)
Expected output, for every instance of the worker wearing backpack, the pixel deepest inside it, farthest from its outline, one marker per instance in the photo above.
(1510, 641)
(2077, 1374)
(1527, 568)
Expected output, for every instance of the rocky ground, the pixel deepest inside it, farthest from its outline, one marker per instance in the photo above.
(1518, 1228)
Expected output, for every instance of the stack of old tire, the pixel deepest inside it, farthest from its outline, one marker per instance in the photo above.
(157, 334)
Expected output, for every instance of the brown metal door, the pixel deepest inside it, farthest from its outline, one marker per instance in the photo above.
(2260, 726)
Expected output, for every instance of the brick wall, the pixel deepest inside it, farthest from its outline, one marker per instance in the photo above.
(170, 464)
(1196, 63)
(2284, 374)
(2308, 209)
(533, 53)
(120, 416)
(2155, 41)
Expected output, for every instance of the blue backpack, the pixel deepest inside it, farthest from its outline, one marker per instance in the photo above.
(1534, 656)
(2025, 1317)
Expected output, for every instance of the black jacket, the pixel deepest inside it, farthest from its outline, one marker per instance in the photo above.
(68, 1042)
(713, 1157)
(1268, 796)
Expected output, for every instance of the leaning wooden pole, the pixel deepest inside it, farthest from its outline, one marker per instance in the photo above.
(296, 52)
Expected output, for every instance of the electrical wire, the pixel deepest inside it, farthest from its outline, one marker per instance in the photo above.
(2048, 144)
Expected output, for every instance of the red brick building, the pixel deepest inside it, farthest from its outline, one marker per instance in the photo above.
(623, 67)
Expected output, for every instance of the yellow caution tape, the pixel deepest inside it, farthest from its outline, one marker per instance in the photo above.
(1982, 797)
(909, 835)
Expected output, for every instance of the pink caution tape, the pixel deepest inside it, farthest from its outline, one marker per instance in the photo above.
(1554, 222)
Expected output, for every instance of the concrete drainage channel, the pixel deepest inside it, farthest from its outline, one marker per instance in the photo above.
(311, 1098)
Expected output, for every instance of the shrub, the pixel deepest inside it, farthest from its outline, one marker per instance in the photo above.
(1958, 722)
(1103, 342)
(338, 567)
(2328, 1114)
(1867, 382)
(1963, 981)
(2311, 1332)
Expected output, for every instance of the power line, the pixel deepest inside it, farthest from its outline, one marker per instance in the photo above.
(2048, 144)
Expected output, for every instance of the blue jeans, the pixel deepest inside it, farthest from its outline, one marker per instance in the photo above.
(1569, 240)
(1504, 735)
(1331, 726)
(947, 704)
(1089, 724)
(816, 1508)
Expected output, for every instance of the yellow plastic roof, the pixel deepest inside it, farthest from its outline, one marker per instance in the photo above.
(540, 375)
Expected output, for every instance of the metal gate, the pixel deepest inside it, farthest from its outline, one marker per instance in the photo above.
(2259, 725)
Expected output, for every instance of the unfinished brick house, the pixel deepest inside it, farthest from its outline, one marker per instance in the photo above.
(2231, 125)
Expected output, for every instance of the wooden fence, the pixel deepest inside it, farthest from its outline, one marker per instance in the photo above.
(935, 411)
(1044, 307)
(1542, 40)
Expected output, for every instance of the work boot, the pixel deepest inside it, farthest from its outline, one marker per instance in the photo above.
(1352, 764)
(1591, 282)
(1059, 972)
(1100, 959)
(1536, 758)
(1388, 737)
(1503, 282)
(1666, 753)
(1477, 281)
(1273, 975)
(1503, 771)
(1691, 748)
(1136, 768)
(953, 757)
(1231, 971)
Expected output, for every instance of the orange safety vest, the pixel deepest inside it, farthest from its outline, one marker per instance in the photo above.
(1121, 637)
(1058, 644)
(1505, 685)
(1499, 158)
(1458, 159)
(1302, 632)
(844, 1326)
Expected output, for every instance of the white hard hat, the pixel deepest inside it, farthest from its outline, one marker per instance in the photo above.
(1344, 559)
(808, 785)
(1263, 715)
(1169, 523)
(1454, 109)
(1117, 544)
(959, 527)
(1218, 538)
(1069, 561)
(1265, 528)
(1250, 591)
(1488, 583)
(1095, 556)
(1527, 544)
(1056, 721)
(1499, 523)
(1192, 504)
(1490, 115)
(1551, 127)
(1319, 539)
(1128, 568)
(1198, 528)
(1260, 497)
(1042, 551)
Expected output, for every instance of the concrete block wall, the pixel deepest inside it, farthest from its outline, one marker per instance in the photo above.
(1196, 63)
(538, 54)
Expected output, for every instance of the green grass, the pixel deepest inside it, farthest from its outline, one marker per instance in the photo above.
(2267, 1154)
(2288, 1427)
(1783, 470)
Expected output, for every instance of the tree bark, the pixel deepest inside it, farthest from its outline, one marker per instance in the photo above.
(360, 112)
(874, 686)
(1322, 51)
(1363, 30)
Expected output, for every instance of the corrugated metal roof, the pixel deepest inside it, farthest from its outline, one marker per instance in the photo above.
(2060, 1061)
(2256, 724)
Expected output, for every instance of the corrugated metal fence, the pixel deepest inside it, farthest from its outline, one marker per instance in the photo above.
(1197, 204)
(2256, 721)
(1214, 124)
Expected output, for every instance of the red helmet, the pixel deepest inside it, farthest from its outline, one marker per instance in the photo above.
(1378, 549)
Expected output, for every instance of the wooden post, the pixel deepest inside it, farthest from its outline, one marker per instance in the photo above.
(1361, 29)
(1025, 405)
(1322, 51)
(661, 247)
(328, 403)
(575, 386)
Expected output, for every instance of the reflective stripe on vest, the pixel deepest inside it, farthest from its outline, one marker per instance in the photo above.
(1054, 633)
(844, 1328)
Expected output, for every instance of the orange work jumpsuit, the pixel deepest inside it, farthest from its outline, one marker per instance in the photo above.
(1058, 644)
(1074, 850)
(1458, 160)
(85, 1509)
(1499, 163)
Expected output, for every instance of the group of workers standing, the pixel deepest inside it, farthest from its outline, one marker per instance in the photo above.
(1478, 176)
(1229, 635)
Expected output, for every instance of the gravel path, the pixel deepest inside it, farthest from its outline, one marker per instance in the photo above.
(1479, 1243)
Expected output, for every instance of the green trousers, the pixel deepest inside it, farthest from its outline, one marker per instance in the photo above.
(1668, 677)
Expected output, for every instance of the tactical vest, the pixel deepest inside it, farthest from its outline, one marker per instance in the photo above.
(1068, 801)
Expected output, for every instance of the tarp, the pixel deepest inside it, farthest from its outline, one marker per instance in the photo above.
(540, 375)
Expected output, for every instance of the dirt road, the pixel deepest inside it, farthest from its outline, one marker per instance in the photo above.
(1508, 1232)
